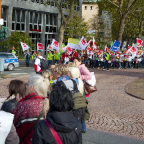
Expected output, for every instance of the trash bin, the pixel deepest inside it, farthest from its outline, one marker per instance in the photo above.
(1, 65)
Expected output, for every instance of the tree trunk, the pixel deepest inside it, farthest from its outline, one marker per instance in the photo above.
(140, 29)
(61, 35)
(121, 28)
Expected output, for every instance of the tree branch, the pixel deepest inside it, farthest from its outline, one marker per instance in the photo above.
(113, 3)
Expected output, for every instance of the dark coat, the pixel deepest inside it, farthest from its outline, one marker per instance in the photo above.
(65, 124)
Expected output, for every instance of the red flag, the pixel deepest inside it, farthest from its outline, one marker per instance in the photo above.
(139, 43)
(89, 49)
(40, 46)
(69, 50)
(128, 47)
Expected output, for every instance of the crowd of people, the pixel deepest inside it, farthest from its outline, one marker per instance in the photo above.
(98, 59)
(51, 108)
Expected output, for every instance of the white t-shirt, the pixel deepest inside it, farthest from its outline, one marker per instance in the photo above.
(37, 62)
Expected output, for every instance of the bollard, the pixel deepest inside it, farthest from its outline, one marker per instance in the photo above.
(1, 65)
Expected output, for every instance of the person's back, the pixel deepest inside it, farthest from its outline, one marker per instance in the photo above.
(65, 124)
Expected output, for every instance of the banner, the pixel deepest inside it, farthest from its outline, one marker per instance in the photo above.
(55, 45)
(24, 46)
(83, 43)
(139, 42)
(115, 46)
(73, 41)
(40, 46)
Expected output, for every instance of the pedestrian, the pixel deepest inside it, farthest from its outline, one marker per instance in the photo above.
(13, 50)
(107, 59)
(16, 90)
(65, 126)
(49, 58)
(27, 58)
(34, 56)
(73, 55)
(57, 57)
(40, 63)
(30, 109)
(84, 75)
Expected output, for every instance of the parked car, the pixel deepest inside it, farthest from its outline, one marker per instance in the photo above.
(10, 60)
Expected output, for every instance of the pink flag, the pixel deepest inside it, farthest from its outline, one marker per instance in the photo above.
(139, 42)
(40, 46)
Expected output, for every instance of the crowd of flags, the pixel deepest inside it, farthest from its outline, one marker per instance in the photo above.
(82, 44)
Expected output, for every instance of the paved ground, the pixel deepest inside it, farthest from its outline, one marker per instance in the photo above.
(112, 110)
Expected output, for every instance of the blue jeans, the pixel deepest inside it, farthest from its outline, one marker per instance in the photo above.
(49, 62)
(57, 61)
(27, 62)
(96, 63)
(83, 126)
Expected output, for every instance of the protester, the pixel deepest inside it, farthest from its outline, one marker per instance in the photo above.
(84, 75)
(61, 72)
(49, 58)
(30, 109)
(13, 50)
(27, 58)
(57, 57)
(17, 90)
(34, 56)
(40, 63)
(73, 55)
(60, 119)
(107, 59)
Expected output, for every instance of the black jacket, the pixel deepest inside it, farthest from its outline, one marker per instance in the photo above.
(65, 124)
(8, 106)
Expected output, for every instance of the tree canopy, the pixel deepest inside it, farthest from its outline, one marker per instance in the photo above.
(15, 39)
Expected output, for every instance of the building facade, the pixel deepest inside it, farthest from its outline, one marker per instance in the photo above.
(32, 16)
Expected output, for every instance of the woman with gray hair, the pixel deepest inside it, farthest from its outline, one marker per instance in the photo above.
(31, 108)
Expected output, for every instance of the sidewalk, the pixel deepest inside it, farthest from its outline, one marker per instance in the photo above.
(97, 137)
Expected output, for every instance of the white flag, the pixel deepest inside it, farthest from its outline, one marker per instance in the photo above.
(83, 43)
(133, 50)
(24, 46)
(55, 44)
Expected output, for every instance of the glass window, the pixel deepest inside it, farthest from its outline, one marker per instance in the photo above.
(36, 18)
(51, 22)
(4, 13)
(13, 15)
(3, 56)
(23, 16)
(31, 17)
(10, 56)
(39, 21)
(55, 20)
(22, 27)
(85, 7)
(91, 7)
(47, 19)
(17, 26)
(18, 15)
(13, 28)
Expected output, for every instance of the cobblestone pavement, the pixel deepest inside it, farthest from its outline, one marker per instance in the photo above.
(114, 111)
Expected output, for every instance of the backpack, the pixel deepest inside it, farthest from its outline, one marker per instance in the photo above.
(43, 64)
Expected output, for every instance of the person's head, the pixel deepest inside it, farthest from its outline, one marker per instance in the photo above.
(60, 99)
(73, 50)
(47, 78)
(34, 52)
(49, 51)
(60, 69)
(70, 64)
(38, 53)
(28, 50)
(37, 84)
(77, 61)
(74, 73)
(17, 88)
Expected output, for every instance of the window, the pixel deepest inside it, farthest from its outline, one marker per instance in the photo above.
(10, 56)
(85, 7)
(91, 7)
(3, 56)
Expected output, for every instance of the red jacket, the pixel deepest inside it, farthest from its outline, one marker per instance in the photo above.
(64, 55)
(73, 56)
(26, 114)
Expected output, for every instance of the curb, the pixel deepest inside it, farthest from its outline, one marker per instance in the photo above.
(127, 91)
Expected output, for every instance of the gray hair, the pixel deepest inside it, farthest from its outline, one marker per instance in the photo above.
(40, 87)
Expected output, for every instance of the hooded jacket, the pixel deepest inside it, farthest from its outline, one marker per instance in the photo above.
(67, 126)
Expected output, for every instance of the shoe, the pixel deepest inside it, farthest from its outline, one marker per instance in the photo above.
(83, 131)
(107, 70)
(103, 69)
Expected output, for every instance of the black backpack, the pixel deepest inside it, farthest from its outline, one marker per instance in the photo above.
(43, 64)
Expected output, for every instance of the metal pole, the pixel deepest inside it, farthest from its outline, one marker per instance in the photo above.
(0, 11)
